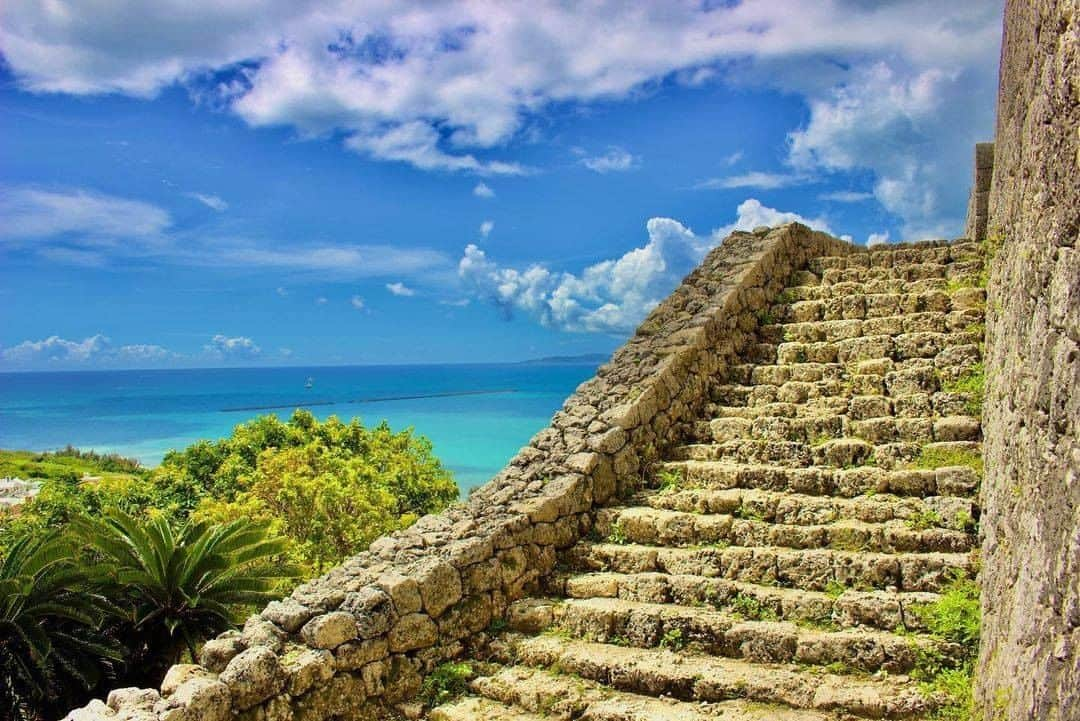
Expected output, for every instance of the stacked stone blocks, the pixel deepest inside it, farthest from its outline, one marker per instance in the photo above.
(357, 642)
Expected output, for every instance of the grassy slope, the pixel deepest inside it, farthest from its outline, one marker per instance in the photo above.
(29, 465)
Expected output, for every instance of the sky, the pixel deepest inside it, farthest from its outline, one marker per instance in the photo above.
(189, 183)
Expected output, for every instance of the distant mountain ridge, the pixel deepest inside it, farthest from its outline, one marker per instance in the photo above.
(567, 359)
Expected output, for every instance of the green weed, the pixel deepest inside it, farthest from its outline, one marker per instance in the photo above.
(446, 683)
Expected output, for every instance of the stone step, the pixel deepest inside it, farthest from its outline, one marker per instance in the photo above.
(814, 430)
(838, 607)
(907, 272)
(807, 569)
(807, 286)
(959, 251)
(804, 509)
(724, 633)
(951, 480)
(660, 527)
(904, 346)
(472, 708)
(701, 678)
(836, 453)
(564, 697)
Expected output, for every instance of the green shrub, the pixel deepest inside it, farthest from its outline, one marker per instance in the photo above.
(446, 683)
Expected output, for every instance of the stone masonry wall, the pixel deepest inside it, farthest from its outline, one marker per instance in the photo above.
(1030, 656)
(978, 213)
(356, 642)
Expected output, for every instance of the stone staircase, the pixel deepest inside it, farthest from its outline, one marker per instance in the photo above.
(773, 566)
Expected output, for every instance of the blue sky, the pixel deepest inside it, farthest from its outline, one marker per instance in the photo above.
(194, 183)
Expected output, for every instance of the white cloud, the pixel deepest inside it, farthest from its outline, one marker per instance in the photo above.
(483, 190)
(458, 303)
(322, 300)
(486, 227)
(877, 239)
(210, 201)
(733, 158)
(400, 289)
(615, 160)
(282, 292)
(93, 351)
(846, 196)
(339, 260)
(611, 296)
(81, 216)
(235, 348)
(357, 302)
(439, 84)
(753, 179)
(752, 214)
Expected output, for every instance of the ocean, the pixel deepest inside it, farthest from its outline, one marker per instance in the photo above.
(477, 416)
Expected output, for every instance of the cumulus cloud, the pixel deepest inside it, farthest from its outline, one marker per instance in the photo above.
(210, 201)
(486, 227)
(235, 348)
(752, 179)
(82, 216)
(877, 239)
(483, 190)
(93, 351)
(357, 302)
(440, 84)
(611, 296)
(400, 289)
(615, 160)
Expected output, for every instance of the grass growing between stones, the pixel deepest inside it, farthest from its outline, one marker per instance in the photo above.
(931, 458)
(954, 618)
(446, 683)
(973, 384)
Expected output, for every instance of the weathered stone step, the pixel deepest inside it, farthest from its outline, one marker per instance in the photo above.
(807, 569)
(885, 312)
(907, 272)
(472, 708)
(807, 286)
(559, 696)
(723, 633)
(905, 346)
(705, 678)
(843, 608)
(654, 526)
(817, 428)
(834, 331)
(835, 453)
(803, 509)
(953, 480)
(958, 251)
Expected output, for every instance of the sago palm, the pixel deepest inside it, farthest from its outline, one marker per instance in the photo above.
(181, 585)
(51, 646)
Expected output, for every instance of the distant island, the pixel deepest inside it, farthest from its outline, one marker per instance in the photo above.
(562, 360)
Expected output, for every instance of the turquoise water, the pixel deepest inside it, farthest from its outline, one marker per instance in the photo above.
(143, 414)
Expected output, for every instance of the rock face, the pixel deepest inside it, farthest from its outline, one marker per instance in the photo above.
(1030, 664)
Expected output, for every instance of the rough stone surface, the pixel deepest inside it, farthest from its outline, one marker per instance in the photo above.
(1030, 658)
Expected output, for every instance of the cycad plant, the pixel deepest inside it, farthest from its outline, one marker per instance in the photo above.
(51, 645)
(180, 586)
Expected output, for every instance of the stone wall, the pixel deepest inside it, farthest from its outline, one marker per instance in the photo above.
(357, 642)
(978, 213)
(1030, 656)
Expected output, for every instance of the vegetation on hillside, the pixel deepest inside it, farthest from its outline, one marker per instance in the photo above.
(113, 572)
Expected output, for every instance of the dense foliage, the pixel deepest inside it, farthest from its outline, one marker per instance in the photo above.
(114, 572)
(330, 488)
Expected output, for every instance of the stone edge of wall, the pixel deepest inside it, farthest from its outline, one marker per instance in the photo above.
(360, 639)
(978, 212)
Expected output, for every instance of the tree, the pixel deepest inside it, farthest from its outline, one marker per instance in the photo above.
(51, 645)
(179, 586)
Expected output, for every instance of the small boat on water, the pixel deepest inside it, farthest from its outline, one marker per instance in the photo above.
(309, 383)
